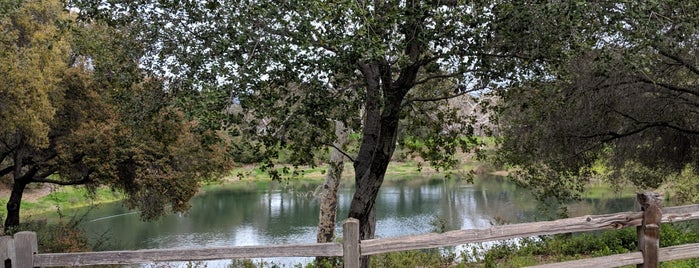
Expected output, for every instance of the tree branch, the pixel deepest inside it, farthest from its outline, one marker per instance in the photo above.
(678, 59)
(436, 98)
(427, 79)
(288, 34)
(341, 151)
(5, 155)
(668, 86)
(615, 135)
(406, 102)
(58, 182)
(7, 170)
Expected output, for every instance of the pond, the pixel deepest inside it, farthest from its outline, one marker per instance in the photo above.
(288, 213)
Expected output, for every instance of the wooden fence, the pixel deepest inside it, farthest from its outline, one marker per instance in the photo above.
(21, 250)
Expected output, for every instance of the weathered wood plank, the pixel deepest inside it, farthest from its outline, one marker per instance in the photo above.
(680, 213)
(186, 254)
(375, 246)
(351, 246)
(680, 252)
(599, 262)
(649, 231)
(25, 247)
(7, 251)
(502, 232)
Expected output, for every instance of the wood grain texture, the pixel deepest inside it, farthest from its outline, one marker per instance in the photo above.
(25, 247)
(680, 252)
(351, 246)
(187, 254)
(649, 231)
(7, 251)
(599, 262)
(680, 213)
(502, 232)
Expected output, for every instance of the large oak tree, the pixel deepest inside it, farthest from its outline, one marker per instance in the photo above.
(367, 64)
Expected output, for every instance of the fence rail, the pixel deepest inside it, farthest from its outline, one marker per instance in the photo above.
(21, 251)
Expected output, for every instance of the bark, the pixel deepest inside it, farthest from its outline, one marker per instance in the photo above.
(383, 102)
(18, 186)
(328, 206)
(13, 205)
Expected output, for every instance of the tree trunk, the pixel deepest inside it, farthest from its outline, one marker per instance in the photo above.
(13, 205)
(328, 196)
(18, 185)
(382, 107)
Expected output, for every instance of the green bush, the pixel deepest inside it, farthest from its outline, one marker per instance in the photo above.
(62, 236)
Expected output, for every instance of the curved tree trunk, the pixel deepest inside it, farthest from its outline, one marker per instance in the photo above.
(328, 196)
(13, 205)
(382, 114)
(18, 185)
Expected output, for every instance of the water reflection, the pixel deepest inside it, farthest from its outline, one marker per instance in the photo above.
(279, 216)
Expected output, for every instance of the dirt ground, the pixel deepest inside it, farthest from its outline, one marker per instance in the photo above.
(32, 193)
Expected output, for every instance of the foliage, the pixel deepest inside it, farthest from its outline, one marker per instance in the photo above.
(33, 53)
(683, 188)
(417, 258)
(627, 95)
(79, 111)
(283, 73)
(62, 236)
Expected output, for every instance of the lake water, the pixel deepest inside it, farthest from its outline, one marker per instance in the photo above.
(285, 214)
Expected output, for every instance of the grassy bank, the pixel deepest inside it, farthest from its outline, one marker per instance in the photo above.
(65, 197)
(249, 178)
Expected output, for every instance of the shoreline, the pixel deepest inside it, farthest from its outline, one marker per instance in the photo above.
(44, 199)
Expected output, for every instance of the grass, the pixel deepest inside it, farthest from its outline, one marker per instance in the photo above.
(601, 190)
(243, 179)
(65, 197)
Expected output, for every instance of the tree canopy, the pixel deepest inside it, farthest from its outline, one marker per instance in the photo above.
(293, 68)
(627, 101)
(76, 110)
(284, 72)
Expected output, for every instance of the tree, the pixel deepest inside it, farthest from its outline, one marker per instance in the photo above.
(380, 58)
(32, 60)
(328, 193)
(629, 100)
(74, 113)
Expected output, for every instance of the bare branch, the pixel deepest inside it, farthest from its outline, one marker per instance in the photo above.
(669, 86)
(689, 65)
(406, 102)
(7, 170)
(616, 135)
(440, 76)
(341, 151)
(59, 182)
(436, 98)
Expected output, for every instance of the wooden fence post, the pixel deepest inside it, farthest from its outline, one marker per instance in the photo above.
(649, 231)
(7, 251)
(25, 248)
(350, 243)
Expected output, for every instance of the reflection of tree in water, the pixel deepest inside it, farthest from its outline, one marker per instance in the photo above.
(226, 217)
